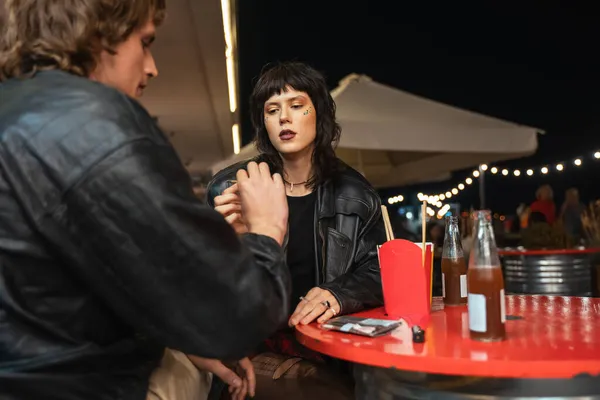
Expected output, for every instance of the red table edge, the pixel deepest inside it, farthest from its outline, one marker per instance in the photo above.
(491, 369)
(515, 252)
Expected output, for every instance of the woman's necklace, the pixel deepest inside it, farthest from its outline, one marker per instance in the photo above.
(294, 184)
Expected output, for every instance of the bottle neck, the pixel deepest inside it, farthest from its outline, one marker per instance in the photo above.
(452, 241)
(484, 252)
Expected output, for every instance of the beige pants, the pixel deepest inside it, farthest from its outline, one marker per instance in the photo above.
(176, 378)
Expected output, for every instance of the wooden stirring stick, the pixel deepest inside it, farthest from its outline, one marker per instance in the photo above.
(389, 232)
(423, 228)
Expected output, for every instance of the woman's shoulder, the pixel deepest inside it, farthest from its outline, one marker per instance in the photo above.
(350, 185)
(347, 178)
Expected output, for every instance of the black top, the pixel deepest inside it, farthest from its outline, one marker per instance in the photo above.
(301, 249)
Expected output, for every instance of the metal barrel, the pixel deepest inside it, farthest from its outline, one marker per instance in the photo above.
(549, 274)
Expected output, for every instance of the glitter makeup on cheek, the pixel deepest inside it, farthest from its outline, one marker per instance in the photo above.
(308, 110)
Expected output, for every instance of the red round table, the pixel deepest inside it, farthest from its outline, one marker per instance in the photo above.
(549, 339)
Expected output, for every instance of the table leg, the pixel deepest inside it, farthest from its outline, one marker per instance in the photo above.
(390, 384)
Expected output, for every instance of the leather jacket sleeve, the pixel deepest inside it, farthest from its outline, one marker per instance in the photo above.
(167, 264)
(360, 287)
(221, 180)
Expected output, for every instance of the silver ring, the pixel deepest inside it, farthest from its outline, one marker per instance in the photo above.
(326, 303)
(333, 311)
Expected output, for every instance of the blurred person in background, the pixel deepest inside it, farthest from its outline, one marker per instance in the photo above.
(523, 212)
(335, 225)
(544, 203)
(106, 255)
(570, 214)
(401, 227)
(435, 234)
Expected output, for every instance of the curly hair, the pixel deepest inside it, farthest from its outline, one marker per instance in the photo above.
(303, 78)
(68, 35)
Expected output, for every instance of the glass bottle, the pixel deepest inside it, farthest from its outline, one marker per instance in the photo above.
(486, 304)
(454, 267)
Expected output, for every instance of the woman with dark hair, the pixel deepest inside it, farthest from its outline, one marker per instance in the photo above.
(335, 225)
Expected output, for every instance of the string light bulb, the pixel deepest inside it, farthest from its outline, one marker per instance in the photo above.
(435, 200)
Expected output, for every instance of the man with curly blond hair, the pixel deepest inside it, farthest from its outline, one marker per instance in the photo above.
(107, 257)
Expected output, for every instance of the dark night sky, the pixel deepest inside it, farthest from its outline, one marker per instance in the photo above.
(535, 65)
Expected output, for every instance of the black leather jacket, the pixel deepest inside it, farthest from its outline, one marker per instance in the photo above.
(348, 229)
(106, 255)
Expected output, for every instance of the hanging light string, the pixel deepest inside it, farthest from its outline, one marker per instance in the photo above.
(437, 199)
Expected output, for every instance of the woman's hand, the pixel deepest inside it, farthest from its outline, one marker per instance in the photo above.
(241, 383)
(318, 303)
(229, 205)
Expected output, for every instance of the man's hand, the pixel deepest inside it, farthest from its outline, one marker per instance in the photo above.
(241, 383)
(229, 205)
(263, 201)
(313, 305)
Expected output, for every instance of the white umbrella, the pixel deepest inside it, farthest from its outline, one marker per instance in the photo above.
(396, 138)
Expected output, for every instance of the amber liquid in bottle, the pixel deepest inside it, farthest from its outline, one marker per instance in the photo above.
(454, 274)
(454, 267)
(486, 303)
(487, 315)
